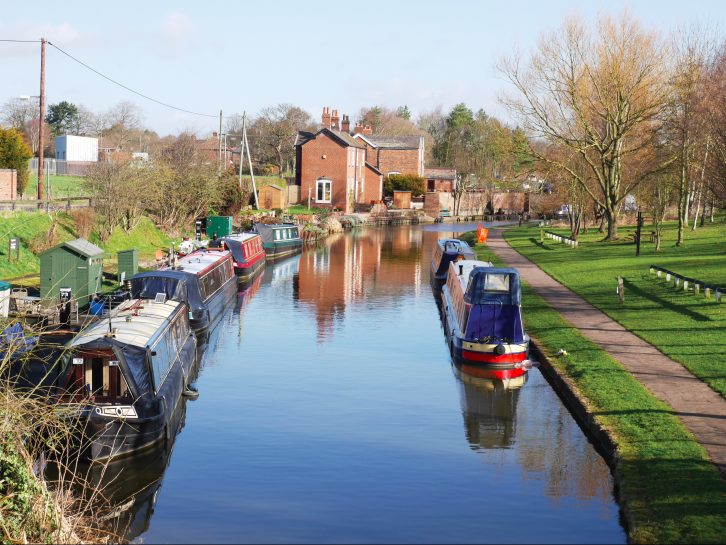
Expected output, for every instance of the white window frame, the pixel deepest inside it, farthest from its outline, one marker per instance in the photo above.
(327, 181)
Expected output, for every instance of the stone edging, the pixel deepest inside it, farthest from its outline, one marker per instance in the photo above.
(599, 436)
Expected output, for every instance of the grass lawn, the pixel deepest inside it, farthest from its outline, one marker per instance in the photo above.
(61, 186)
(687, 328)
(666, 482)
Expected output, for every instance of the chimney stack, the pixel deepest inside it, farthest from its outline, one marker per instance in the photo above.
(326, 117)
(358, 128)
(345, 126)
(335, 119)
(367, 129)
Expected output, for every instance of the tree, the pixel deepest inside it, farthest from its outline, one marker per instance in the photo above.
(404, 113)
(602, 95)
(404, 182)
(388, 122)
(121, 121)
(715, 106)
(276, 129)
(63, 118)
(15, 153)
(23, 115)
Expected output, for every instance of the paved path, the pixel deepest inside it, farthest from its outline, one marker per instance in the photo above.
(702, 410)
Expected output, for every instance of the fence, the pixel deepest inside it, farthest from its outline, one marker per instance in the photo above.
(47, 205)
(561, 238)
(686, 283)
(56, 167)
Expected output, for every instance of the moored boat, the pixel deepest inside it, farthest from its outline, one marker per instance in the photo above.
(204, 280)
(483, 318)
(248, 254)
(125, 375)
(448, 250)
(279, 239)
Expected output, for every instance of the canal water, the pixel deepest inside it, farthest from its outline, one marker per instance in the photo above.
(329, 411)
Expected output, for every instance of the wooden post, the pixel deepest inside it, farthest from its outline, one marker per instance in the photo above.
(696, 288)
(541, 235)
(707, 292)
(621, 290)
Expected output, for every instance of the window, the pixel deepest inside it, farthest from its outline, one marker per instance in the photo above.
(277, 234)
(497, 283)
(324, 191)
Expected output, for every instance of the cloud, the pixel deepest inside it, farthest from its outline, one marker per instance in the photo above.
(177, 26)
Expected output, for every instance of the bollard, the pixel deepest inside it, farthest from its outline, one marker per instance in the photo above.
(651, 270)
(621, 290)
(658, 273)
(718, 294)
(696, 288)
(676, 281)
(685, 285)
(668, 277)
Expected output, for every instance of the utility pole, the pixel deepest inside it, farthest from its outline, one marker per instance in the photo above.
(41, 132)
(219, 146)
(245, 146)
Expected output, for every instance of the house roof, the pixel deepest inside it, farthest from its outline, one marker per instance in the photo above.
(393, 142)
(83, 247)
(373, 168)
(440, 173)
(341, 137)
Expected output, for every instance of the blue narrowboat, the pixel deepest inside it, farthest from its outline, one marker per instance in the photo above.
(279, 239)
(203, 279)
(448, 250)
(124, 376)
(483, 318)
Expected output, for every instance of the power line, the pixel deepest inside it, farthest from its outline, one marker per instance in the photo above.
(21, 41)
(127, 87)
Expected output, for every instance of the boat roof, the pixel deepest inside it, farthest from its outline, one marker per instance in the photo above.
(199, 261)
(469, 265)
(135, 322)
(241, 237)
(455, 245)
(276, 225)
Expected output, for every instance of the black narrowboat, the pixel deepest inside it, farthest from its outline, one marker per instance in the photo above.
(204, 280)
(124, 376)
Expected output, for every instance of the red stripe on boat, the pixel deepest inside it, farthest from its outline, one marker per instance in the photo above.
(493, 373)
(489, 357)
(251, 261)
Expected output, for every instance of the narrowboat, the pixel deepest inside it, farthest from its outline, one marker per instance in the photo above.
(247, 253)
(448, 250)
(483, 318)
(279, 239)
(204, 280)
(124, 376)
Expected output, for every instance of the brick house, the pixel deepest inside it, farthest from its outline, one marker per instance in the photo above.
(331, 167)
(393, 154)
(440, 179)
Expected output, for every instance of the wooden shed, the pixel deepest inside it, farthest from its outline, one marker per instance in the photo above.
(402, 199)
(76, 264)
(272, 196)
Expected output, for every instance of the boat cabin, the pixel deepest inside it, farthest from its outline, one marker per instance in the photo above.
(247, 252)
(279, 239)
(448, 250)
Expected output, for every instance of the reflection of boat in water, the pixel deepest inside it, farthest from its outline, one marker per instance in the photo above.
(489, 408)
(126, 375)
(446, 251)
(483, 318)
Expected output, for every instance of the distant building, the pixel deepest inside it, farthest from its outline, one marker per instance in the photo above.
(394, 154)
(440, 179)
(76, 149)
(8, 184)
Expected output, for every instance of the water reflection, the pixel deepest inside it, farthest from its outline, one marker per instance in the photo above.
(489, 407)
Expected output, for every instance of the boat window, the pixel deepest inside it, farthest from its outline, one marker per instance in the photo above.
(277, 235)
(160, 363)
(497, 283)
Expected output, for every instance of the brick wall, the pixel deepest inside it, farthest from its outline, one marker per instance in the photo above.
(325, 158)
(402, 161)
(373, 190)
(8, 184)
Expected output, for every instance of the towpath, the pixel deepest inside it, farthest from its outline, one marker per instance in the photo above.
(702, 410)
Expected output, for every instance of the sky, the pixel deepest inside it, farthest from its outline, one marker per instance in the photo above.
(241, 55)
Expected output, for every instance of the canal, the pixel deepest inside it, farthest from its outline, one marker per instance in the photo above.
(329, 411)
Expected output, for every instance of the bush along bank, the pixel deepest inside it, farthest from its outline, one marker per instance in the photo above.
(668, 489)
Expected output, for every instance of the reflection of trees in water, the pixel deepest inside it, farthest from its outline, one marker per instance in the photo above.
(551, 448)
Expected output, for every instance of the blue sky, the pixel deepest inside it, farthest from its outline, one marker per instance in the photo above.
(203, 56)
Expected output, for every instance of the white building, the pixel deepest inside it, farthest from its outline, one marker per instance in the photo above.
(80, 149)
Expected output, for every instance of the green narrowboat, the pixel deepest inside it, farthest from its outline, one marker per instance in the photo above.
(279, 239)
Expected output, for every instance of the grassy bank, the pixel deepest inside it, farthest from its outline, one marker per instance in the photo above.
(32, 229)
(687, 328)
(60, 186)
(669, 490)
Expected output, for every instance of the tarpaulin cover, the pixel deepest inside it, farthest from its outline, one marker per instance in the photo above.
(495, 321)
(235, 246)
(177, 285)
(480, 292)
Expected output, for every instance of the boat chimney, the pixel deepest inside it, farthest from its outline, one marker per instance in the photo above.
(461, 270)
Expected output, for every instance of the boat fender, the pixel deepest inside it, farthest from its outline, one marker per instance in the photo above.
(500, 349)
(191, 392)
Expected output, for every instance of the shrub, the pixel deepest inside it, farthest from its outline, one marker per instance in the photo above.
(404, 182)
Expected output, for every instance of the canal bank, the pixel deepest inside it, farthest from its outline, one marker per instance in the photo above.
(668, 489)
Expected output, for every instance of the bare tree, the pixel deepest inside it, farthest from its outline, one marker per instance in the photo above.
(276, 128)
(600, 94)
(24, 116)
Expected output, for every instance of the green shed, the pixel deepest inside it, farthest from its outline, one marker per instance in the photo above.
(76, 264)
(128, 263)
(221, 225)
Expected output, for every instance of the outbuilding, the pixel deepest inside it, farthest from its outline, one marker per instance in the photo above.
(272, 196)
(76, 264)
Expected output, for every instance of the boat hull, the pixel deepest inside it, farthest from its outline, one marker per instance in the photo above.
(278, 250)
(214, 306)
(245, 273)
